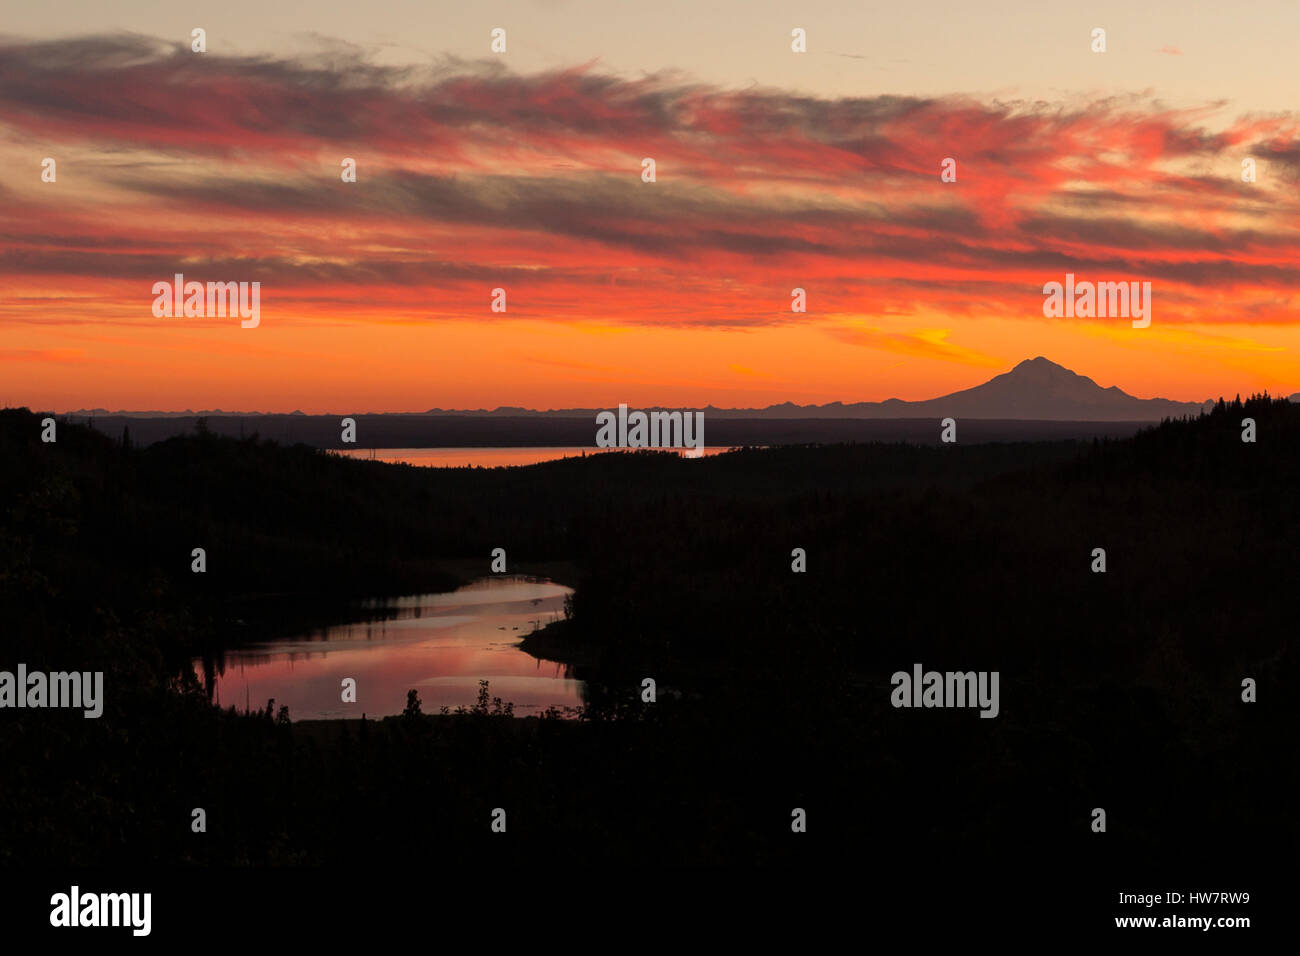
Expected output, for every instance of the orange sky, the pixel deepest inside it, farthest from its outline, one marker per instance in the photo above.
(376, 295)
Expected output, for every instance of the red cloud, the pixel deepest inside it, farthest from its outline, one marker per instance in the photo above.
(472, 178)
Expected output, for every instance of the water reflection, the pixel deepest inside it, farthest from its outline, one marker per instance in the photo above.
(498, 457)
(440, 644)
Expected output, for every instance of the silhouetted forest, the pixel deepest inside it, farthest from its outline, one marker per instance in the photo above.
(469, 431)
(1119, 690)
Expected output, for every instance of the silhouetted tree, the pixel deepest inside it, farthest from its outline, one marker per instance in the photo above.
(412, 704)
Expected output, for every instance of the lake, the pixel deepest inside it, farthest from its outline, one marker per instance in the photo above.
(498, 457)
(439, 644)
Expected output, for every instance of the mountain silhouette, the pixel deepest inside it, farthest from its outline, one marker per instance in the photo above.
(1040, 389)
(1035, 390)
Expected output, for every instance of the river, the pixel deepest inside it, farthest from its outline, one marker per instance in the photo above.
(441, 645)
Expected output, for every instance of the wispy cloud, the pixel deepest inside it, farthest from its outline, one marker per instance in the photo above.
(472, 177)
(922, 343)
(61, 356)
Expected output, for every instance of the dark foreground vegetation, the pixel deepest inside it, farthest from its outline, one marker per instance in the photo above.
(1119, 690)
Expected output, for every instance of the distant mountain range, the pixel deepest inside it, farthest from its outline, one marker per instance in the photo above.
(1035, 390)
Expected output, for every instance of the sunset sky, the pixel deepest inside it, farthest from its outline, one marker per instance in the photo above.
(522, 170)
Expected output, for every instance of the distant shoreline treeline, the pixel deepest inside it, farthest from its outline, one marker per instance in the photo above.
(452, 431)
